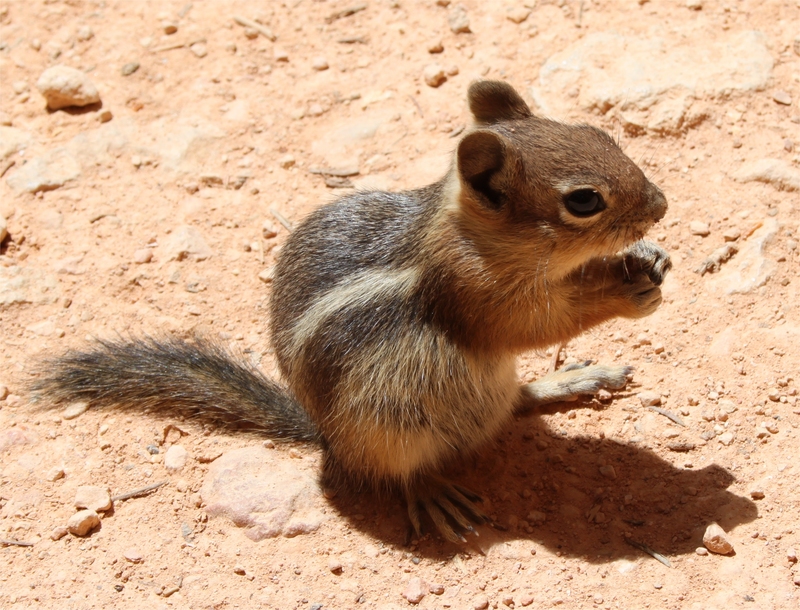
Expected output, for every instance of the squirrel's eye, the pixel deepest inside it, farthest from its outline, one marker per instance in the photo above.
(584, 202)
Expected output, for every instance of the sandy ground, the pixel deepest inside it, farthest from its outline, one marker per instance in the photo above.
(221, 137)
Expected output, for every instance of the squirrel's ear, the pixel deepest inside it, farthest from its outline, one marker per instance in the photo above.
(492, 100)
(483, 158)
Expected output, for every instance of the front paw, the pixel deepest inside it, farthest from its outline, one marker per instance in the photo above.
(646, 258)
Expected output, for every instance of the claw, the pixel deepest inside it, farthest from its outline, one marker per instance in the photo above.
(447, 505)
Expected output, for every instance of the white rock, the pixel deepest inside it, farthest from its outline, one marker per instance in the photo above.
(83, 522)
(649, 398)
(415, 590)
(199, 49)
(74, 410)
(605, 70)
(175, 458)
(726, 438)
(63, 86)
(777, 172)
(12, 140)
(143, 256)
(263, 493)
(92, 497)
(26, 285)
(133, 555)
(319, 64)
(3, 229)
(716, 540)
(186, 242)
(45, 173)
(458, 20)
(434, 75)
(750, 269)
(697, 227)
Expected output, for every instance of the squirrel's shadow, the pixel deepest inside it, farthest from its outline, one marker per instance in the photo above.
(549, 489)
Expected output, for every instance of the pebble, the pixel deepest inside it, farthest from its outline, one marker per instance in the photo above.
(797, 579)
(415, 590)
(716, 540)
(436, 588)
(649, 398)
(142, 256)
(83, 522)
(169, 27)
(85, 33)
(507, 600)
(694, 5)
(435, 46)
(92, 497)
(781, 97)
(434, 75)
(58, 532)
(268, 230)
(3, 389)
(774, 395)
(791, 555)
(199, 49)
(701, 550)
(757, 494)
(175, 458)
(280, 54)
(54, 474)
(726, 438)
(130, 68)
(63, 86)
(518, 14)
(319, 64)
(74, 410)
(3, 228)
(239, 569)
(608, 471)
(286, 161)
(186, 242)
(526, 600)
(458, 20)
(267, 275)
(104, 116)
(335, 566)
(699, 228)
(731, 234)
(133, 555)
(481, 603)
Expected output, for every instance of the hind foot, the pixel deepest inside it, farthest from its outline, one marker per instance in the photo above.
(450, 506)
(570, 382)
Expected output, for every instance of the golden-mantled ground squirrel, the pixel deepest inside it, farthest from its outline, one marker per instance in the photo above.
(397, 317)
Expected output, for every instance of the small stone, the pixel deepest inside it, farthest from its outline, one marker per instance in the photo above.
(319, 64)
(434, 75)
(83, 522)
(731, 234)
(268, 230)
(58, 532)
(452, 70)
(701, 550)
(133, 555)
(286, 161)
(797, 579)
(783, 98)
(694, 5)
(92, 497)
(267, 275)
(3, 389)
(436, 588)
(175, 458)
(771, 427)
(142, 256)
(85, 33)
(788, 145)
(238, 569)
(791, 555)
(169, 27)
(604, 395)
(507, 600)
(699, 228)
(716, 540)
(130, 68)
(199, 49)
(335, 566)
(280, 54)
(608, 471)
(726, 438)
(480, 603)
(415, 590)
(104, 116)
(526, 600)
(518, 14)
(649, 398)
(598, 599)
(186, 242)
(435, 46)
(536, 516)
(458, 20)
(757, 494)
(74, 410)
(774, 395)
(54, 474)
(63, 86)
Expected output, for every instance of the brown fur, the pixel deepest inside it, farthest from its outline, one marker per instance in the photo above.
(396, 318)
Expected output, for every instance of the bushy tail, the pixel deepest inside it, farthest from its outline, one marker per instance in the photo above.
(197, 377)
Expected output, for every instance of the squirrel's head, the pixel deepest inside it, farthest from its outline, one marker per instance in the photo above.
(570, 188)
